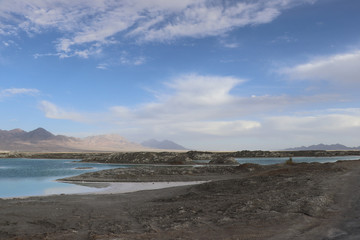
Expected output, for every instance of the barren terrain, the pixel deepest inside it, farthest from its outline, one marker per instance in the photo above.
(296, 201)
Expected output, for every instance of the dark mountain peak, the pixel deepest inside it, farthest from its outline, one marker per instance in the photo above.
(39, 134)
(165, 144)
(40, 129)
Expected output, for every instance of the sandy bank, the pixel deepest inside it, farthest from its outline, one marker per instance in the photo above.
(128, 187)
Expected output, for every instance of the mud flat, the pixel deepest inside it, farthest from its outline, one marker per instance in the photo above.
(294, 201)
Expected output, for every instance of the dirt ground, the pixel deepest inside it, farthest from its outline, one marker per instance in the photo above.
(299, 201)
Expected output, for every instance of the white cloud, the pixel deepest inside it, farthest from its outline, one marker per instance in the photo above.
(329, 127)
(102, 66)
(8, 43)
(90, 25)
(285, 38)
(195, 105)
(203, 20)
(18, 91)
(230, 44)
(127, 59)
(201, 110)
(55, 112)
(204, 105)
(315, 124)
(193, 97)
(339, 69)
(219, 128)
(203, 90)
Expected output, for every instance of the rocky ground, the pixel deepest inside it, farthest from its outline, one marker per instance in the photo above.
(168, 173)
(293, 201)
(174, 158)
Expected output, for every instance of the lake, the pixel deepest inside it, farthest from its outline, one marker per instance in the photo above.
(30, 177)
(268, 161)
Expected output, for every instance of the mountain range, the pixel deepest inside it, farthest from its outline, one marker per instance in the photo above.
(41, 140)
(323, 147)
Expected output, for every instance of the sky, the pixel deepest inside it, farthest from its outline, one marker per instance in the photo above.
(207, 74)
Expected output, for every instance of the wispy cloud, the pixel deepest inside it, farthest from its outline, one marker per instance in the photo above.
(124, 59)
(231, 45)
(127, 59)
(52, 111)
(102, 66)
(18, 91)
(87, 26)
(8, 43)
(285, 38)
(339, 69)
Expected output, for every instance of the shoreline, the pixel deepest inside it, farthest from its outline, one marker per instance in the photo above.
(296, 201)
(100, 188)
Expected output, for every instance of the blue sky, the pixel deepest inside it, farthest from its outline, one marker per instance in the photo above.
(210, 75)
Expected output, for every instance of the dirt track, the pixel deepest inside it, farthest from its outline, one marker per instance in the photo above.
(301, 201)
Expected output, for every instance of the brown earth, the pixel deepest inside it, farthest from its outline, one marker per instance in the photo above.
(296, 201)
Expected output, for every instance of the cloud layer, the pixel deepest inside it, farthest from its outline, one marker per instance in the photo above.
(85, 27)
(196, 106)
(338, 69)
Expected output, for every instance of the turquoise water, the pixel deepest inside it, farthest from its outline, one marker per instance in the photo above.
(30, 177)
(268, 161)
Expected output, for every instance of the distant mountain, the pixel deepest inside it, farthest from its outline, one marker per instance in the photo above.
(166, 144)
(41, 140)
(323, 147)
(109, 142)
(38, 134)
